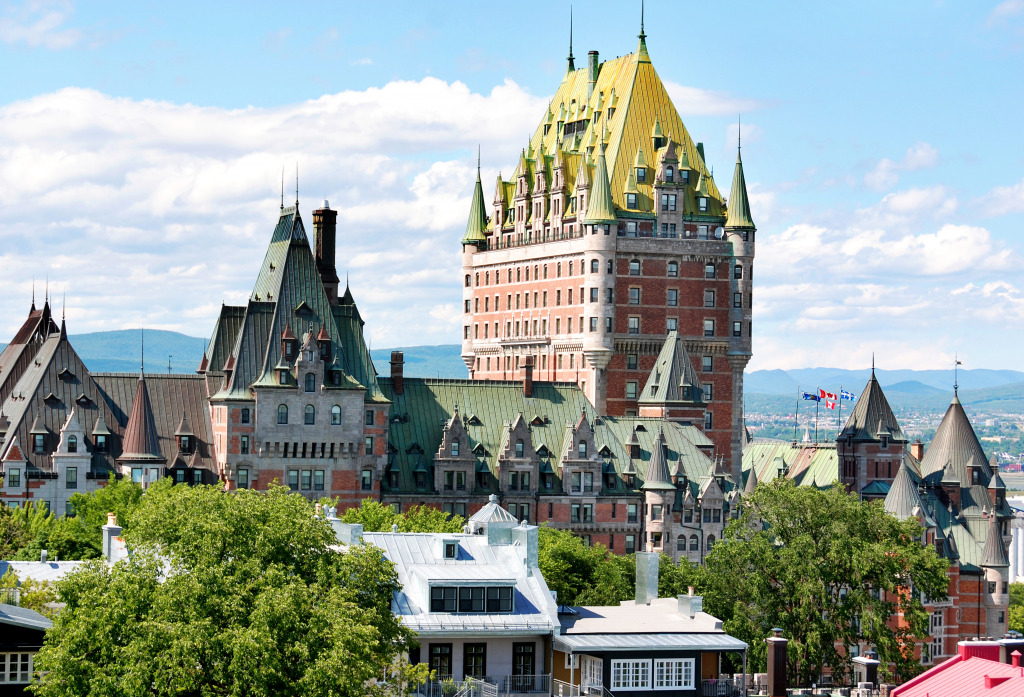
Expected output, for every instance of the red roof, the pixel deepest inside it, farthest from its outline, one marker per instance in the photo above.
(965, 674)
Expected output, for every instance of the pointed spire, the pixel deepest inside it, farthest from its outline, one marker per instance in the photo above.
(33, 309)
(282, 187)
(572, 64)
(141, 441)
(751, 480)
(477, 213)
(296, 184)
(657, 470)
(641, 50)
(600, 207)
(994, 556)
(739, 205)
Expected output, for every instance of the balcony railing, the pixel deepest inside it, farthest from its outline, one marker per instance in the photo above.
(488, 686)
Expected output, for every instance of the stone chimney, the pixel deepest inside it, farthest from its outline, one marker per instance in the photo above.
(777, 664)
(647, 577)
(593, 68)
(397, 372)
(325, 224)
(528, 376)
(917, 449)
(110, 531)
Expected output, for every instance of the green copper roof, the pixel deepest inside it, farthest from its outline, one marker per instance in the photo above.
(673, 380)
(739, 205)
(600, 208)
(477, 215)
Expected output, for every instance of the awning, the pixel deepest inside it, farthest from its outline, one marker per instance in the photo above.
(585, 643)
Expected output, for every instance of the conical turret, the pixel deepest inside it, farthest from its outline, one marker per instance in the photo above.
(477, 214)
(140, 437)
(600, 207)
(739, 205)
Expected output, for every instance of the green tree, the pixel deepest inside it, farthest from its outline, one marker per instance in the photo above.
(375, 516)
(13, 535)
(240, 594)
(828, 569)
(35, 595)
(1016, 618)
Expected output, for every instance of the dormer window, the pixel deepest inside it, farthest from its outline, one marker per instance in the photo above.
(310, 382)
(631, 201)
(702, 204)
(451, 549)
(185, 444)
(684, 176)
(520, 448)
(641, 174)
(101, 443)
(669, 174)
(582, 449)
(38, 443)
(455, 448)
(289, 348)
(72, 444)
(471, 599)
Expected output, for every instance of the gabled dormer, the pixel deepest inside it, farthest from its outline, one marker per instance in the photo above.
(454, 462)
(186, 439)
(309, 367)
(517, 460)
(289, 344)
(323, 343)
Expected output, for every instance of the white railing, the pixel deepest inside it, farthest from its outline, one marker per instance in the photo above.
(524, 684)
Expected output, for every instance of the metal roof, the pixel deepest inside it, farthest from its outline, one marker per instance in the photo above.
(23, 617)
(959, 676)
(585, 643)
(41, 571)
(872, 416)
(954, 447)
(673, 380)
(739, 204)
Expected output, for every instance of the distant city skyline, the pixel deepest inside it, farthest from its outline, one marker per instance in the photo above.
(141, 151)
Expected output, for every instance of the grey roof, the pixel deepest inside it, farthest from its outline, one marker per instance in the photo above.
(23, 617)
(954, 447)
(903, 497)
(585, 643)
(994, 555)
(140, 437)
(41, 571)
(673, 379)
(657, 477)
(419, 561)
(492, 512)
(751, 484)
(872, 417)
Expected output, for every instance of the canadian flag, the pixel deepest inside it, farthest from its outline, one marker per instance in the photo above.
(830, 404)
(827, 395)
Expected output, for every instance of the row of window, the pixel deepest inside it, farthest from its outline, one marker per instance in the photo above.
(471, 599)
(70, 477)
(540, 328)
(635, 269)
(539, 270)
(475, 663)
(15, 668)
(39, 443)
(667, 674)
(309, 415)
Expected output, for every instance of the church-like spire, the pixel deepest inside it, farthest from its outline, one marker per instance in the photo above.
(140, 435)
(600, 207)
(641, 50)
(739, 205)
(572, 64)
(477, 213)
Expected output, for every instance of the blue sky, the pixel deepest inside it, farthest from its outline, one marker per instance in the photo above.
(141, 146)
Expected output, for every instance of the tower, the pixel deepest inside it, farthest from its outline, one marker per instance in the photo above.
(611, 233)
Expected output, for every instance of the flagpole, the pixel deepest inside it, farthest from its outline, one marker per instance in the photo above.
(839, 421)
(796, 419)
(817, 405)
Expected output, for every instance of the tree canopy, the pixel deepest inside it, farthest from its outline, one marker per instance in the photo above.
(226, 594)
(827, 568)
(375, 516)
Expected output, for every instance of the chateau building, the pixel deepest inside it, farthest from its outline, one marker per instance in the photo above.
(286, 392)
(951, 488)
(610, 234)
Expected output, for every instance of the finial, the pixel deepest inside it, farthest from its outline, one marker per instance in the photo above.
(33, 292)
(64, 306)
(572, 63)
(642, 35)
(956, 362)
(296, 184)
(282, 187)
(142, 349)
(739, 132)
(478, 161)
(46, 292)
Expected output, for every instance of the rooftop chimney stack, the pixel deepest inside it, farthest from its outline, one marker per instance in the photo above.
(110, 531)
(325, 224)
(593, 68)
(528, 377)
(777, 664)
(397, 372)
(917, 450)
(647, 577)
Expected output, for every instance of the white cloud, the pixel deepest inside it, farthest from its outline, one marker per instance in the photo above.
(693, 101)
(1005, 11)
(885, 175)
(154, 212)
(38, 23)
(1003, 199)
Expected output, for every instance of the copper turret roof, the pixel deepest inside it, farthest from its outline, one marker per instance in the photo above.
(658, 477)
(739, 205)
(994, 555)
(872, 417)
(954, 447)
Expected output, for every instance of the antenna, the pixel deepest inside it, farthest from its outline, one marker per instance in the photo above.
(642, 34)
(296, 184)
(282, 187)
(572, 65)
(142, 345)
(169, 357)
(956, 362)
(33, 292)
(739, 131)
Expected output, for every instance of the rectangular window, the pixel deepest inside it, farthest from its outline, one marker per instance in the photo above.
(471, 599)
(15, 668)
(38, 443)
(631, 390)
(708, 392)
(706, 363)
(631, 512)
(574, 511)
(441, 660)
(673, 297)
(673, 674)
(593, 324)
(634, 325)
(709, 298)
(737, 271)
(368, 417)
(71, 478)
(630, 545)
(630, 361)
(137, 475)
(593, 294)
(634, 296)
(632, 674)
(737, 299)
(243, 478)
(709, 327)
(737, 328)
(368, 445)
(366, 481)
(709, 271)
(460, 481)
(307, 480)
(634, 268)
(293, 480)
(671, 324)
(474, 660)
(243, 445)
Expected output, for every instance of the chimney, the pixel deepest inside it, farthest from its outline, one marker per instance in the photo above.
(397, 372)
(917, 450)
(690, 605)
(42, 556)
(110, 531)
(647, 577)
(528, 377)
(325, 224)
(593, 68)
(1015, 659)
(777, 664)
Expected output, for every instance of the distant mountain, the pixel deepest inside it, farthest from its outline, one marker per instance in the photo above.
(120, 351)
(834, 379)
(914, 387)
(444, 361)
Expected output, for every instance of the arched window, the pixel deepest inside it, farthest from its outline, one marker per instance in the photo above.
(282, 414)
(673, 268)
(310, 416)
(694, 543)
(669, 173)
(594, 265)
(711, 542)
(335, 415)
(582, 448)
(520, 448)
(72, 444)
(310, 382)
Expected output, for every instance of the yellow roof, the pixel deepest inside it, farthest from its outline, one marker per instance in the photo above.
(632, 87)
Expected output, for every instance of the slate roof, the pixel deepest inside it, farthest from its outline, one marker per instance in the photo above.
(872, 416)
(23, 617)
(808, 464)
(17, 355)
(954, 447)
(673, 380)
(140, 441)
